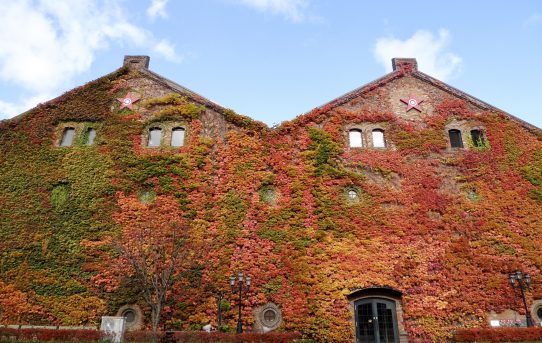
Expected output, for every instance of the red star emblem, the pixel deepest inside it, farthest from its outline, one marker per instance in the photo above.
(412, 102)
(128, 100)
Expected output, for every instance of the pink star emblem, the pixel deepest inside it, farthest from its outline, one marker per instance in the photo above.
(128, 100)
(412, 102)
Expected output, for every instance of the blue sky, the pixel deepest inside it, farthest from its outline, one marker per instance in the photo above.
(273, 59)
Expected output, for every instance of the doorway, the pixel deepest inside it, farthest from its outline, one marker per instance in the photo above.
(376, 321)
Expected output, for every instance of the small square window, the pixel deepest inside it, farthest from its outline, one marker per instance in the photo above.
(91, 136)
(477, 138)
(155, 137)
(177, 137)
(67, 136)
(455, 138)
(355, 138)
(378, 138)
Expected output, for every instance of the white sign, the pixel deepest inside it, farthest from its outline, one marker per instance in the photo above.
(113, 328)
(495, 323)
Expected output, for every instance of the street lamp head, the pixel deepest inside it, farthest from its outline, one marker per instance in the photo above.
(240, 277)
(519, 275)
(512, 279)
(527, 280)
(232, 281)
(249, 281)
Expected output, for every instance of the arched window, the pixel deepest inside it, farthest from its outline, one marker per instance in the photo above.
(67, 136)
(177, 137)
(455, 138)
(355, 138)
(378, 138)
(91, 136)
(477, 138)
(155, 137)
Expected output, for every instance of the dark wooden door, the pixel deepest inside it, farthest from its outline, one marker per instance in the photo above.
(376, 321)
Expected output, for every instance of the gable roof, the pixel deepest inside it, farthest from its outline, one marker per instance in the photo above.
(401, 67)
(141, 64)
(409, 66)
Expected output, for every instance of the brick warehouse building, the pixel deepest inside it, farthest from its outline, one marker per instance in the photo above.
(393, 213)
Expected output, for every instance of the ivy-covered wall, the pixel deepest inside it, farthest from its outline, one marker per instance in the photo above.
(442, 226)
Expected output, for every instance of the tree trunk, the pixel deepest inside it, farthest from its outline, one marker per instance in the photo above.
(155, 316)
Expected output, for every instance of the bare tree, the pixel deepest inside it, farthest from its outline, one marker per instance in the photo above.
(152, 255)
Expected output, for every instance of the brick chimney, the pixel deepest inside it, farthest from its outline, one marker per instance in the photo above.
(136, 62)
(404, 64)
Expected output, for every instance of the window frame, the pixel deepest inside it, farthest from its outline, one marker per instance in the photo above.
(88, 132)
(383, 132)
(150, 130)
(177, 129)
(481, 137)
(460, 138)
(65, 130)
(361, 138)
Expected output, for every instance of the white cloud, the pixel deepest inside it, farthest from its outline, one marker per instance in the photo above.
(291, 9)
(11, 109)
(44, 44)
(429, 51)
(157, 9)
(534, 19)
(167, 50)
(8, 109)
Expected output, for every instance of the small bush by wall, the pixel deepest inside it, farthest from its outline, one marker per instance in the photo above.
(205, 337)
(186, 337)
(42, 334)
(499, 335)
(50, 335)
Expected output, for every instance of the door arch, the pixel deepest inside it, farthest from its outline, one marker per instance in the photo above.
(376, 321)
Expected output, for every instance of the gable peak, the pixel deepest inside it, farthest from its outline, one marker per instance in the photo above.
(404, 64)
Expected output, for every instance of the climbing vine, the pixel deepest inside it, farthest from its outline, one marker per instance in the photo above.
(442, 227)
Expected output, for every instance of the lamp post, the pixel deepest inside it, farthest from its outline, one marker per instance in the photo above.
(522, 281)
(242, 287)
(219, 296)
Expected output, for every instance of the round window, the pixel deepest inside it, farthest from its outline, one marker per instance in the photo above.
(352, 194)
(539, 313)
(269, 316)
(133, 316)
(130, 315)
